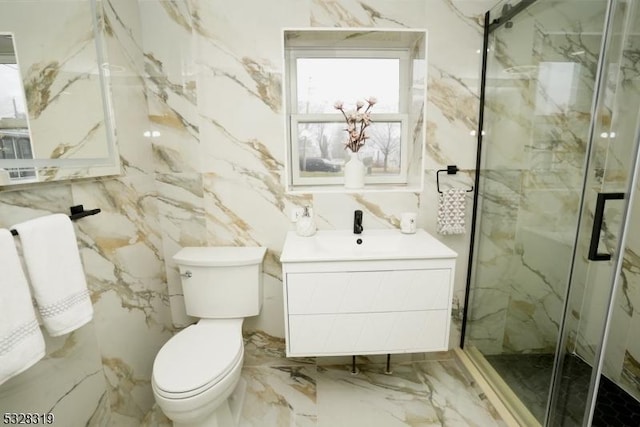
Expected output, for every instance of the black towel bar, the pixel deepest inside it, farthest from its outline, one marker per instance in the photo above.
(450, 170)
(77, 212)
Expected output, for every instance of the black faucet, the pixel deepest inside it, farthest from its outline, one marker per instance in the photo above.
(357, 222)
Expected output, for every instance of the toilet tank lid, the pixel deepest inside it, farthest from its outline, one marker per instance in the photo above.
(219, 256)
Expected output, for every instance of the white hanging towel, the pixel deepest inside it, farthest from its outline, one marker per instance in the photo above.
(50, 251)
(21, 342)
(451, 211)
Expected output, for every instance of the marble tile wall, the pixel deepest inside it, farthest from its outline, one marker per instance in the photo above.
(203, 80)
(123, 258)
(216, 95)
(71, 372)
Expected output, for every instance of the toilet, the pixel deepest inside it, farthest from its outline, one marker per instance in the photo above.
(196, 372)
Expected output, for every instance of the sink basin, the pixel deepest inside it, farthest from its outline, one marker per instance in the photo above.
(344, 245)
(343, 242)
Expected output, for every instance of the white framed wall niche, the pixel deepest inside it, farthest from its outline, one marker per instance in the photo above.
(323, 66)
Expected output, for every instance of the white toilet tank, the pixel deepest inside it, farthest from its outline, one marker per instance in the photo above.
(221, 282)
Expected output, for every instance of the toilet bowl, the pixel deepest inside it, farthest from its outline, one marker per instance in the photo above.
(198, 369)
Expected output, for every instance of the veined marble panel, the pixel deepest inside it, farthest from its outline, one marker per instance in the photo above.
(19, 206)
(495, 259)
(380, 210)
(127, 84)
(620, 334)
(154, 418)
(427, 393)
(538, 287)
(69, 382)
(271, 318)
(453, 88)
(630, 373)
(123, 258)
(222, 26)
(550, 212)
(309, 392)
(378, 13)
(377, 400)
(264, 349)
(235, 65)
(486, 320)
(247, 208)
(247, 171)
(280, 395)
(121, 246)
(182, 219)
(622, 348)
(170, 79)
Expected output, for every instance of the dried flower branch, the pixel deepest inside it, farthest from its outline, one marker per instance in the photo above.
(357, 122)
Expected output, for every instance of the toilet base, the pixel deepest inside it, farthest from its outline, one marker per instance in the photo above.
(221, 417)
(227, 414)
(236, 400)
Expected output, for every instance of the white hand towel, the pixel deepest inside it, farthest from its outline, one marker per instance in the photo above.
(21, 342)
(451, 211)
(50, 251)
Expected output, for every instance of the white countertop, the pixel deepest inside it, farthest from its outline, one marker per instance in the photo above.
(341, 245)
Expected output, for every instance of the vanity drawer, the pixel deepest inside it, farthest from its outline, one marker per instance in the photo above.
(368, 333)
(368, 291)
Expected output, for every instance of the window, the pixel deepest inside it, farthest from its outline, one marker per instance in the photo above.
(15, 142)
(317, 76)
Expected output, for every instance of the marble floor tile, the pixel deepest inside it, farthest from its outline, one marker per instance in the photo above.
(281, 392)
(432, 393)
(455, 397)
(279, 396)
(372, 398)
(261, 349)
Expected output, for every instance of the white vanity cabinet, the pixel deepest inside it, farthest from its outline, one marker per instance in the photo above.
(366, 301)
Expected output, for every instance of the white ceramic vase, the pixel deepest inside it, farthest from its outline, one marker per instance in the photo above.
(354, 172)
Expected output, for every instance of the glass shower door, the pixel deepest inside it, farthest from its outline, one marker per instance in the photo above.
(541, 78)
(598, 380)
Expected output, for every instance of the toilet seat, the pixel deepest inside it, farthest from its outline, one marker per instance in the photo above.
(196, 359)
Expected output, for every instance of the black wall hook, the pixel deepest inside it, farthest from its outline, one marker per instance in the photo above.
(450, 170)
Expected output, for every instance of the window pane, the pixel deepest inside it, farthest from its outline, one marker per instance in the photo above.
(321, 149)
(8, 148)
(12, 103)
(381, 153)
(323, 81)
(24, 148)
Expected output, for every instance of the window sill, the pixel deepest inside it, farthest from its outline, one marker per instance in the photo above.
(340, 189)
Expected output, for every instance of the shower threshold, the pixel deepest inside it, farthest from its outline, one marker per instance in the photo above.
(494, 386)
(522, 383)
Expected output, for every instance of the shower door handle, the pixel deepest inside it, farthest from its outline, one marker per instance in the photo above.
(597, 225)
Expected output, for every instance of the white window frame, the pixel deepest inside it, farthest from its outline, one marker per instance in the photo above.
(12, 59)
(298, 179)
(295, 118)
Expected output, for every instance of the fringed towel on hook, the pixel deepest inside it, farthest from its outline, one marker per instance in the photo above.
(451, 211)
(21, 342)
(50, 250)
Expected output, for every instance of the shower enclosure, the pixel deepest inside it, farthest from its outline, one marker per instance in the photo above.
(554, 282)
